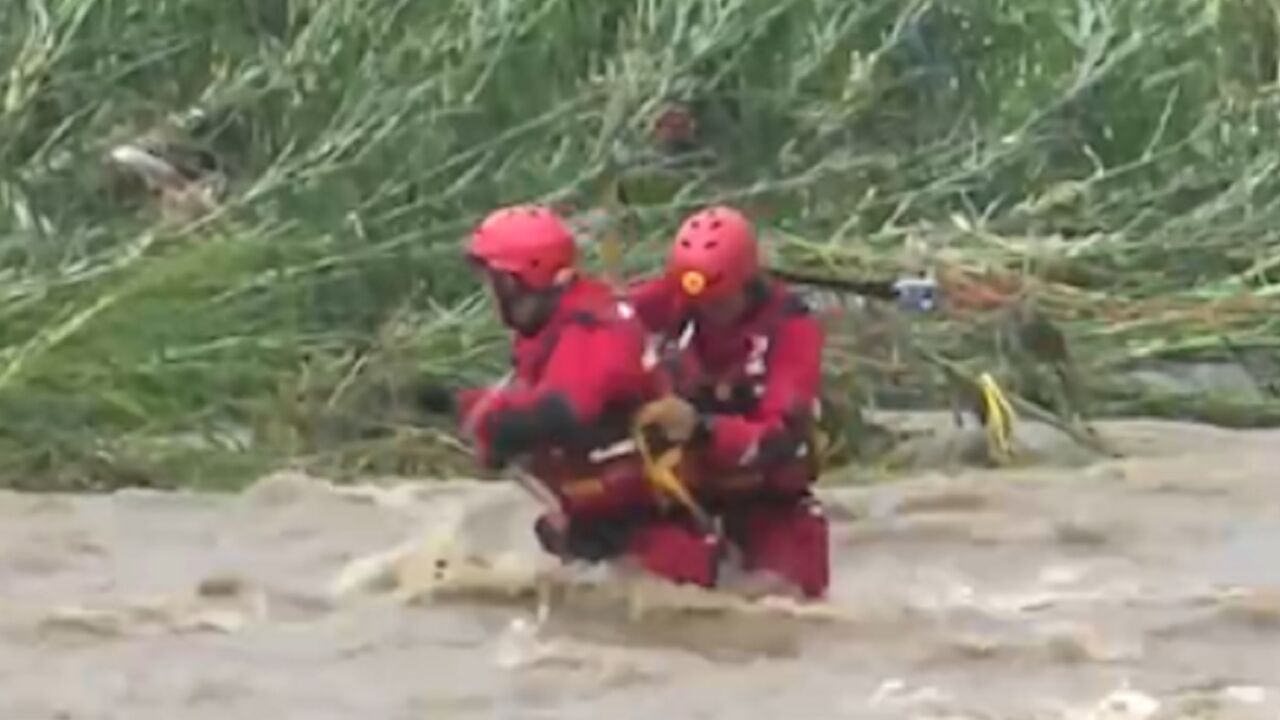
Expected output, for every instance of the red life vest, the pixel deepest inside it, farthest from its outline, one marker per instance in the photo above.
(727, 372)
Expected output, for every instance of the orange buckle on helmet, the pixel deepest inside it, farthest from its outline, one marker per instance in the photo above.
(693, 282)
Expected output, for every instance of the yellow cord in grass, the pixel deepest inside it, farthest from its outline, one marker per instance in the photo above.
(999, 420)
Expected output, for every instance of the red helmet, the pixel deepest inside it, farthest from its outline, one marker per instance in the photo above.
(715, 254)
(531, 242)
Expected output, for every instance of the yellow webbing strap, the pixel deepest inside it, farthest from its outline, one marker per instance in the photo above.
(662, 474)
(1000, 417)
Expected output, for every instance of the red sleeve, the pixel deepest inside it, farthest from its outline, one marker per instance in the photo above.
(793, 384)
(656, 302)
(592, 363)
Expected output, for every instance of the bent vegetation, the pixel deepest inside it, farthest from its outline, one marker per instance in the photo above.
(229, 231)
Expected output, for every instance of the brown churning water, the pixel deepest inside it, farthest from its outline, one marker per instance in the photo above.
(1142, 588)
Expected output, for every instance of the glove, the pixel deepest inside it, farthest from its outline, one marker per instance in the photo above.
(678, 420)
(777, 448)
(436, 399)
(514, 431)
(781, 446)
(510, 434)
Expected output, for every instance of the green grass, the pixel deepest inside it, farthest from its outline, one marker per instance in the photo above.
(361, 138)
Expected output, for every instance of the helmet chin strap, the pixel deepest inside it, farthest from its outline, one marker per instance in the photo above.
(527, 311)
(520, 307)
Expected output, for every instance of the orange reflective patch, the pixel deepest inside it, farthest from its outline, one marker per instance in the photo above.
(580, 489)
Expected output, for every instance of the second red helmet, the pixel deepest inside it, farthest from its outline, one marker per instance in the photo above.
(715, 254)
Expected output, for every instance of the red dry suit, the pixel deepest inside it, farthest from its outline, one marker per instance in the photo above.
(577, 384)
(757, 384)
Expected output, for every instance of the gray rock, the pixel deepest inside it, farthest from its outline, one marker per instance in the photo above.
(935, 443)
(1197, 378)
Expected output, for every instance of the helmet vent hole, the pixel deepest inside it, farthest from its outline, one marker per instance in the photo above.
(696, 224)
(712, 244)
(715, 224)
(686, 244)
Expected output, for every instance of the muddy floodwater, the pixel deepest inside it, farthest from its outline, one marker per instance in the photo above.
(1146, 587)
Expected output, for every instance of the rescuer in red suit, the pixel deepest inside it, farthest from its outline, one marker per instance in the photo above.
(579, 377)
(744, 355)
